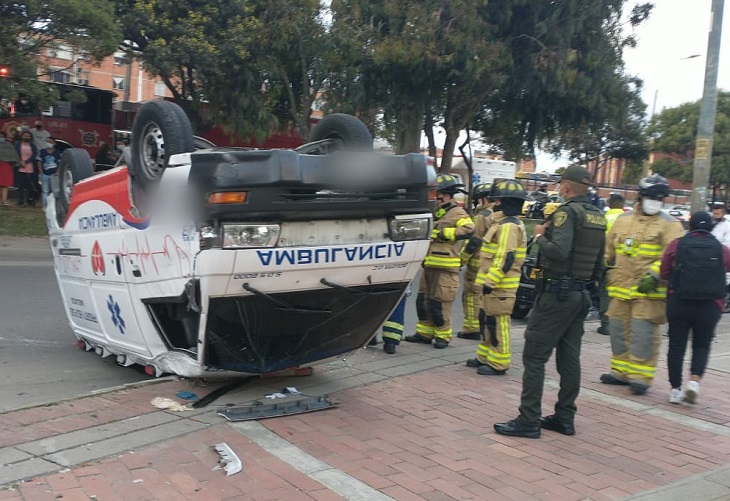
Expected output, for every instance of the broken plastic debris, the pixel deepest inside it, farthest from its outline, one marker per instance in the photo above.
(275, 395)
(169, 404)
(229, 460)
(290, 389)
(186, 395)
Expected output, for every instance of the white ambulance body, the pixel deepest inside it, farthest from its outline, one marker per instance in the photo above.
(251, 261)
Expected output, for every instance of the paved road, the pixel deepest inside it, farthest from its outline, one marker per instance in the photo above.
(413, 426)
(39, 360)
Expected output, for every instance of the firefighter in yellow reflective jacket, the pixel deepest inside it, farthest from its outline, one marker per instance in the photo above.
(471, 297)
(503, 253)
(440, 279)
(634, 248)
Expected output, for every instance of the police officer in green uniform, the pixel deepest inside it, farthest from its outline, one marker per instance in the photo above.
(571, 264)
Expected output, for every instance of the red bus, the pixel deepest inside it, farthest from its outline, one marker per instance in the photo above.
(87, 124)
(73, 122)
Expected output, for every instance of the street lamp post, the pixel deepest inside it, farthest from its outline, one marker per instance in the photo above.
(708, 110)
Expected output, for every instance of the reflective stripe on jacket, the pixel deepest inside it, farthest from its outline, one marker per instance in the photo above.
(503, 253)
(454, 226)
(634, 247)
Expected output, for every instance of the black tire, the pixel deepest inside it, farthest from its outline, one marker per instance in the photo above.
(161, 129)
(520, 311)
(74, 166)
(353, 134)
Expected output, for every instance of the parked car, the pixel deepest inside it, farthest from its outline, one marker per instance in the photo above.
(233, 259)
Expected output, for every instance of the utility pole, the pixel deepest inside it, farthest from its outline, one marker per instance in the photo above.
(708, 110)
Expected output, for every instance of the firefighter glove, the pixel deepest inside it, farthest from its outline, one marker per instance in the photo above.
(435, 234)
(487, 289)
(647, 284)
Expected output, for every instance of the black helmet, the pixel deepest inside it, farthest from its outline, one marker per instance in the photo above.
(481, 190)
(448, 184)
(508, 188)
(654, 186)
(543, 185)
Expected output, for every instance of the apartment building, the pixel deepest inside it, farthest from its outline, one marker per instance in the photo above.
(118, 73)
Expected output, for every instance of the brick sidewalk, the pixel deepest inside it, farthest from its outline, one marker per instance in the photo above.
(422, 435)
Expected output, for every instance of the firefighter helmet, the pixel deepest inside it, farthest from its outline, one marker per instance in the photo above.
(448, 184)
(654, 186)
(508, 188)
(481, 190)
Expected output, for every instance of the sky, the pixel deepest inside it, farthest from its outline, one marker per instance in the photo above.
(676, 30)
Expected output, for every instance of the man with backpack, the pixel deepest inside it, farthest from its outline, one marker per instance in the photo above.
(695, 266)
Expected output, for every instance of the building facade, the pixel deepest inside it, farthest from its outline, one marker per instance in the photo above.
(124, 76)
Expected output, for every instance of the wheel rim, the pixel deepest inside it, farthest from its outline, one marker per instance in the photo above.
(68, 185)
(152, 151)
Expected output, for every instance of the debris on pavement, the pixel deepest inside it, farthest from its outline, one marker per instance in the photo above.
(275, 395)
(186, 395)
(262, 411)
(213, 395)
(169, 404)
(229, 461)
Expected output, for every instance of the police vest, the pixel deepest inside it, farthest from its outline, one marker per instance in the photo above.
(589, 231)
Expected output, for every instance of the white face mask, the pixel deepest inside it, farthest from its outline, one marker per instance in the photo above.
(651, 207)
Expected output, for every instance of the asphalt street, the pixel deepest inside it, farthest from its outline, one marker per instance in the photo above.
(39, 360)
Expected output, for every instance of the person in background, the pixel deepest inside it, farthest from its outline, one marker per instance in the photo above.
(440, 276)
(49, 157)
(634, 249)
(700, 315)
(104, 159)
(40, 135)
(8, 160)
(721, 231)
(28, 153)
(615, 209)
(720, 224)
(471, 298)
(571, 263)
(541, 194)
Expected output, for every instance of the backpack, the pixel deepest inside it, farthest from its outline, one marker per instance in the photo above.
(699, 271)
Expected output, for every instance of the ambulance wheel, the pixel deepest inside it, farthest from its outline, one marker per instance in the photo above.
(161, 129)
(74, 166)
(349, 130)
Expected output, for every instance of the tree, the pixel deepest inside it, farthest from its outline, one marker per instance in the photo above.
(565, 87)
(674, 131)
(203, 51)
(294, 55)
(621, 133)
(417, 61)
(29, 27)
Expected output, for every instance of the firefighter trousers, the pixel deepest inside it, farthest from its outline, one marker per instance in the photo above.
(393, 327)
(494, 349)
(471, 300)
(635, 338)
(437, 292)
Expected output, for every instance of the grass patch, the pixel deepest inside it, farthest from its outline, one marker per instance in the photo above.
(22, 221)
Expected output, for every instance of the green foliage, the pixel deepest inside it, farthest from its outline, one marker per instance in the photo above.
(29, 27)
(674, 132)
(202, 50)
(566, 88)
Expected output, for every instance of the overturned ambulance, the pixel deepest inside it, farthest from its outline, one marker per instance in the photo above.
(193, 261)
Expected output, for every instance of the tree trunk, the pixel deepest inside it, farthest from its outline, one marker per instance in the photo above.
(448, 154)
(408, 134)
